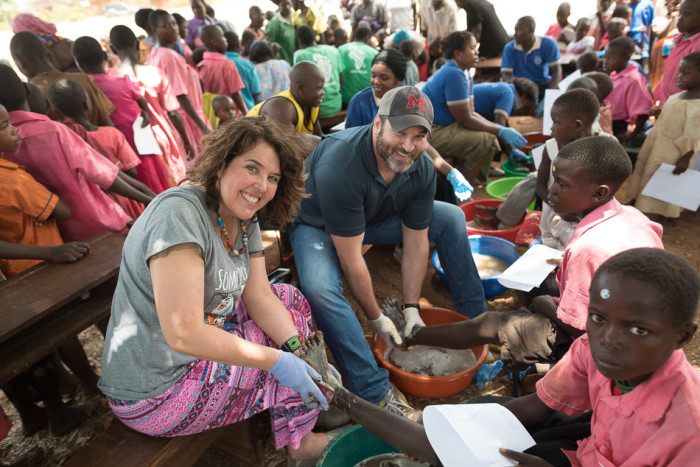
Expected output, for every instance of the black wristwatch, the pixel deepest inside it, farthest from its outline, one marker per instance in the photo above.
(292, 344)
(410, 305)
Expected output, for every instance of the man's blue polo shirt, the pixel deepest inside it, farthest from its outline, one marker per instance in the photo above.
(492, 98)
(533, 64)
(348, 193)
(448, 86)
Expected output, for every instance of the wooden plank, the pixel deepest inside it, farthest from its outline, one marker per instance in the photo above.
(121, 446)
(26, 348)
(32, 295)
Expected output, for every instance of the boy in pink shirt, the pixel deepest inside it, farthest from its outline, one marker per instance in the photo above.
(58, 159)
(587, 173)
(122, 92)
(630, 100)
(629, 367)
(183, 78)
(219, 75)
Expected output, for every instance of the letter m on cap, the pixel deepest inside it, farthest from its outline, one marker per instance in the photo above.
(414, 101)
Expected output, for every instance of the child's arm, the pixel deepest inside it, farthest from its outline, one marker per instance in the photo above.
(555, 72)
(544, 305)
(543, 176)
(127, 187)
(238, 100)
(317, 129)
(145, 113)
(179, 125)
(66, 253)
(639, 126)
(187, 106)
(462, 189)
(61, 212)
(529, 410)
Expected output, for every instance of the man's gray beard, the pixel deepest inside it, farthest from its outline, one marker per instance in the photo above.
(383, 149)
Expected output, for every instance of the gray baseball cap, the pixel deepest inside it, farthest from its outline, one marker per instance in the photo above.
(405, 107)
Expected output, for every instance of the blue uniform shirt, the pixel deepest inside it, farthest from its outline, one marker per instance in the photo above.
(492, 98)
(533, 64)
(448, 86)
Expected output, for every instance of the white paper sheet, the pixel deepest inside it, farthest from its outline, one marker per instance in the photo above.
(338, 127)
(563, 84)
(143, 138)
(537, 155)
(550, 95)
(682, 190)
(530, 269)
(471, 434)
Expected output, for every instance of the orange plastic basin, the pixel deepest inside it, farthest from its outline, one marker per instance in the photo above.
(432, 387)
(470, 211)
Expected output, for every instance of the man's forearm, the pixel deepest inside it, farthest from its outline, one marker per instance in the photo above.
(413, 267)
(360, 283)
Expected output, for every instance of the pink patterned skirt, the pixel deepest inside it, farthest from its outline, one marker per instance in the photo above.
(210, 394)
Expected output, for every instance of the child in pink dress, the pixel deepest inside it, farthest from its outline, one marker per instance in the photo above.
(70, 101)
(169, 132)
(183, 78)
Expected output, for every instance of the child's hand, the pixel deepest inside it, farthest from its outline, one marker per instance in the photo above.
(189, 150)
(683, 163)
(68, 252)
(146, 118)
(523, 459)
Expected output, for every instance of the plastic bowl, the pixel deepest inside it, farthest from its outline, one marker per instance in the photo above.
(499, 189)
(431, 387)
(510, 169)
(492, 246)
(352, 446)
(470, 211)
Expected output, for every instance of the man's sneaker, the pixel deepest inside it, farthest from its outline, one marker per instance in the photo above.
(395, 402)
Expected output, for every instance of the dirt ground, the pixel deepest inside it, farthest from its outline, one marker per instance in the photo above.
(682, 238)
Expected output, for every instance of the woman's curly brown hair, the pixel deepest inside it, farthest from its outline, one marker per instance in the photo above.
(238, 137)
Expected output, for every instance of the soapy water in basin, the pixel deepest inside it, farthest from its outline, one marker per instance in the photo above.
(431, 361)
(390, 460)
(489, 266)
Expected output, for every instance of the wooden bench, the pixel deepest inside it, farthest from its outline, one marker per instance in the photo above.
(41, 307)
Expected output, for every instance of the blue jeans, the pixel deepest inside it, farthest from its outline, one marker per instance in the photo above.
(320, 275)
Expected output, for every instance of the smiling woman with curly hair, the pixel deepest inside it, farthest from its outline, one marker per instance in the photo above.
(194, 337)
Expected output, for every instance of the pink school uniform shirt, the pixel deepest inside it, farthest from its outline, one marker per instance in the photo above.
(668, 84)
(654, 424)
(629, 97)
(604, 232)
(219, 75)
(66, 165)
(183, 81)
(123, 94)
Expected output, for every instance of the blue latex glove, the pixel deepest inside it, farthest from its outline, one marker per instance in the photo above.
(295, 373)
(486, 373)
(512, 137)
(463, 190)
(518, 157)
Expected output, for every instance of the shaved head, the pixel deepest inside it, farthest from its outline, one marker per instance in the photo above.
(303, 72)
(29, 53)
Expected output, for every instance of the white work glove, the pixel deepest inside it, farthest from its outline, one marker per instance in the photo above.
(413, 320)
(386, 329)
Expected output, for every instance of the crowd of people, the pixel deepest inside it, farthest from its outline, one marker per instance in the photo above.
(238, 133)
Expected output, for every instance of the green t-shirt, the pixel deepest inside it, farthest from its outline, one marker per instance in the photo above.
(357, 62)
(282, 32)
(327, 58)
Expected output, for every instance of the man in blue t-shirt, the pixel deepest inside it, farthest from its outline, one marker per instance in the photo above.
(532, 57)
(375, 184)
(497, 101)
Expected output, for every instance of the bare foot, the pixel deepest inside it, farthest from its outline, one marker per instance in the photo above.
(491, 222)
(310, 447)
(486, 209)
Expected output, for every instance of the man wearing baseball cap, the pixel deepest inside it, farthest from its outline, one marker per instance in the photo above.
(375, 184)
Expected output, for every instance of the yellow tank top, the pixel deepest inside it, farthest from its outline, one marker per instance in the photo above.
(301, 128)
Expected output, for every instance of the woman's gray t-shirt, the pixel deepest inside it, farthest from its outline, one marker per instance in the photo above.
(137, 362)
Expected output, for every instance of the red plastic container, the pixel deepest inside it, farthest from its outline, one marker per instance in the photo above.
(470, 211)
(432, 387)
